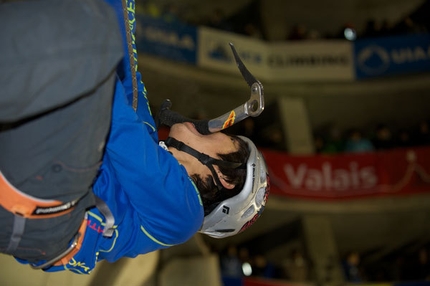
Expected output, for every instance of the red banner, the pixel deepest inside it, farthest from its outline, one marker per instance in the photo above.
(348, 175)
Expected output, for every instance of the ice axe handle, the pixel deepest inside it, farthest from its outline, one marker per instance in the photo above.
(169, 117)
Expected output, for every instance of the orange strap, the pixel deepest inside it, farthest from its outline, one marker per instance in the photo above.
(27, 206)
(69, 256)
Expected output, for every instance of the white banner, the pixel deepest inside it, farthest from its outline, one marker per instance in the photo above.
(214, 52)
(311, 60)
(290, 61)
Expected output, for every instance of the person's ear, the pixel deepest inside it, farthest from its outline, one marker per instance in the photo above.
(224, 183)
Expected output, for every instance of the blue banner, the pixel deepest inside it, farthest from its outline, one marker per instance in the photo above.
(175, 41)
(392, 56)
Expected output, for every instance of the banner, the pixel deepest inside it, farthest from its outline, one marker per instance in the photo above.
(316, 60)
(400, 171)
(392, 56)
(174, 41)
(292, 61)
(215, 53)
(319, 60)
(311, 61)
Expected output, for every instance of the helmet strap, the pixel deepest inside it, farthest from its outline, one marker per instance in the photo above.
(203, 158)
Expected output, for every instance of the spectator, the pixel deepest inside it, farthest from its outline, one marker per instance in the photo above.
(357, 143)
(247, 126)
(319, 143)
(244, 255)
(219, 21)
(252, 30)
(383, 138)
(334, 143)
(422, 136)
(272, 136)
(314, 34)
(399, 268)
(404, 138)
(351, 268)
(407, 26)
(171, 13)
(231, 266)
(261, 267)
(372, 29)
(421, 265)
(296, 266)
(297, 32)
(386, 28)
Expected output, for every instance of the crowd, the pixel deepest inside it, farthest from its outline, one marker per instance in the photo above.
(331, 140)
(372, 29)
(247, 21)
(412, 265)
(236, 262)
(383, 137)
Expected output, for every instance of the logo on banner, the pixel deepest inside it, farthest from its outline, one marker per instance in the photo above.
(313, 60)
(331, 178)
(169, 38)
(373, 60)
(220, 52)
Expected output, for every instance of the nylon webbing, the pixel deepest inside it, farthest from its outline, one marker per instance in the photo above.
(203, 158)
(110, 220)
(17, 232)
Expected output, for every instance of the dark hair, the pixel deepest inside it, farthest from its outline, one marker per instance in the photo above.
(209, 192)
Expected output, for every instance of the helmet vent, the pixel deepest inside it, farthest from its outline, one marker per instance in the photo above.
(260, 196)
(225, 230)
(248, 212)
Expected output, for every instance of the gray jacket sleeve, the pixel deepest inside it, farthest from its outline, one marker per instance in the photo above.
(53, 52)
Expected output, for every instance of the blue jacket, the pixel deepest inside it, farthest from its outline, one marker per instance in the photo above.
(153, 200)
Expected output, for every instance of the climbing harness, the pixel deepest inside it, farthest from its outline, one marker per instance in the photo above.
(67, 255)
(24, 206)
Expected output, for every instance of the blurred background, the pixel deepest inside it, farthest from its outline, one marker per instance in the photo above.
(345, 135)
(347, 109)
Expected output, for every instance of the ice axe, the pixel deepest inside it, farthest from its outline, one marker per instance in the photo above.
(253, 107)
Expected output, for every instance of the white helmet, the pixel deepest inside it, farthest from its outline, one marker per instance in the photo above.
(237, 213)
